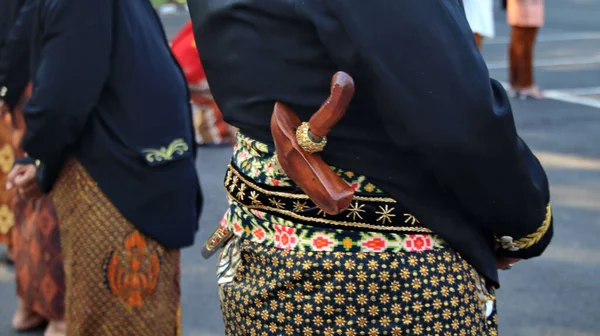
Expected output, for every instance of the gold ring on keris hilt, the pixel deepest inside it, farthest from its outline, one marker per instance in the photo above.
(305, 140)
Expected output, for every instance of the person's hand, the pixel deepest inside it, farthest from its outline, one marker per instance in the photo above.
(504, 263)
(23, 177)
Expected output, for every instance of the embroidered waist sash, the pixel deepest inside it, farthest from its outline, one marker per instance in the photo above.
(268, 208)
(367, 212)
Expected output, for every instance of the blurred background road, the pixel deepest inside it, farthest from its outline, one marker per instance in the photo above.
(556, 295)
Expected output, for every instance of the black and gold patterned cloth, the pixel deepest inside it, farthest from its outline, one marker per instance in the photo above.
(283, 274)
(281, 292)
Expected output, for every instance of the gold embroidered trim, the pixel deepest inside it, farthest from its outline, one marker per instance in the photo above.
(300, 196)
(339, 223)
(277, 207)
(535, 237)
(178, 146)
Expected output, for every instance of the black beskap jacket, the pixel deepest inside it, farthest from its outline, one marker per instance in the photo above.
(108, 92)
(427, 123)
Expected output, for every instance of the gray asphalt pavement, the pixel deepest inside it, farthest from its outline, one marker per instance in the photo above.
(555, 295)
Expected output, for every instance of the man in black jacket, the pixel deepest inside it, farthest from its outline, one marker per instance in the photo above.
(35, 233)
(427, 125)
(14, 51)
(110, 137)
(36, 230)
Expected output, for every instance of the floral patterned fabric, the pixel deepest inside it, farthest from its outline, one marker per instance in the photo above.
(259, 162)
(287, 273)
(270, 230)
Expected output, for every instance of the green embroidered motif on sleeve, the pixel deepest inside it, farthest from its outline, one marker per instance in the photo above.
(178, 146)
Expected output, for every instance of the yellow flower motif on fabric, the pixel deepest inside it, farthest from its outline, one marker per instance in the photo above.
(300, 206)
(276, 203)
(385, 214)
(242, 191)
(7, 158)
(228, 178)
(254, 197)
(354, 210)
(369, 187)
(178, 146)
(7, 219)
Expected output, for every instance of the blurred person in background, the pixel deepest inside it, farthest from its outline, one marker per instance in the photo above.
(7, 216)
(209, 125)
(8, 8)
(525, 18)
(35, 235)
(480, 15)
(110, 137)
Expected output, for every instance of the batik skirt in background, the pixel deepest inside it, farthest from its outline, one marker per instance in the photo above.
(120, 282)
(38, 258)
(37, 250)
(7, 158)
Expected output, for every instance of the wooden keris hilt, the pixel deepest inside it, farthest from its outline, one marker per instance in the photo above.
(297, 143)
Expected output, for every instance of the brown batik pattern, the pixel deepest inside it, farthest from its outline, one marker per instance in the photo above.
(119, 282)
(7, 158)
(287, 292)
(38, 259)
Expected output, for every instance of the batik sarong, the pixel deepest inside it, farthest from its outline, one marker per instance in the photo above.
(7, 158)
(12, 129)
(119, 282)
(38, 259)
(36, 240)
(372, 270)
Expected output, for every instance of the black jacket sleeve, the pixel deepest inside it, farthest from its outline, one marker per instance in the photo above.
(69, 77)
(15, 55)
(4, 27)
(431, 86)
